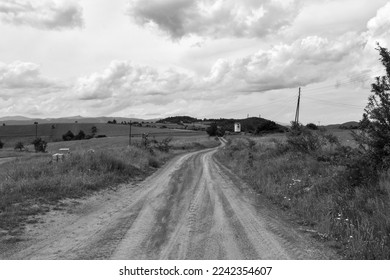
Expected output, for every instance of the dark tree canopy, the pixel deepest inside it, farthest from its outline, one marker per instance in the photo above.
(375, 124)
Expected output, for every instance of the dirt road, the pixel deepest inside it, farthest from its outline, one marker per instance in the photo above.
(192, 208)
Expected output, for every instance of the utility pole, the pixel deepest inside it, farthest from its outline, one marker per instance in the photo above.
(130, 134)
(36, 130)
(297, 111)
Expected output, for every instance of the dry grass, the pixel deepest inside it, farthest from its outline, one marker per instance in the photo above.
(31, 182)
(355, 220)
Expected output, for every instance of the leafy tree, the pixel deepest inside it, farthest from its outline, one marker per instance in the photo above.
(94, 130)
(19, 146)
(312, 126)
(267, 126)
(68, 136)
(221, 132)
(40, 145)
(214, 130)
(80, 135)
(375, 124)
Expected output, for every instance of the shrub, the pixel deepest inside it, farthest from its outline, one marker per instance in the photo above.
(267, 126)
(153, 162)
(40, 145)
(312, 126)
(164, 145)
(100, 136)
(19, 146)
(80, 135)
(94, 130)
(68, 136)
(212, 129)
(1, 144)
(304, 140)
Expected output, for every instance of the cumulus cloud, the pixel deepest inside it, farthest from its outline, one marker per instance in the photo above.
(214, 18)
(312, 59)
(21, 75)
(128, 80)
(125, 87)
(49, 14)
(379, 26)
(367, 63)
(305, 61)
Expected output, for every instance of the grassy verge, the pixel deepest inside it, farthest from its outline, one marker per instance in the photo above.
(29, 184)
(318, 189)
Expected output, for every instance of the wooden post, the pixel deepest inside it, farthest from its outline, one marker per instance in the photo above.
(297, 111)
(130, 134)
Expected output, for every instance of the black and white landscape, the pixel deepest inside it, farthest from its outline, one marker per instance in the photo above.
(194, 129)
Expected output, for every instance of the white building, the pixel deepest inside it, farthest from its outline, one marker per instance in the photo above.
(237, 127)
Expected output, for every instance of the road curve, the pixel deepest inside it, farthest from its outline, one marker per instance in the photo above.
(192, 208)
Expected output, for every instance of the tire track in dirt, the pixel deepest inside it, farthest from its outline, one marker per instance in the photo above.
(99, 220)
(192, 208)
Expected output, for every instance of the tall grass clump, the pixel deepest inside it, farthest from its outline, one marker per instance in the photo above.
(313, 176)
(28, 183)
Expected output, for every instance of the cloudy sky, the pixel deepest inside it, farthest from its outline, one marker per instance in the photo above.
(204, 58)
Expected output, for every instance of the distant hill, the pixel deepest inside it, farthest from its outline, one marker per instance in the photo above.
(15, 118)
(179, 120)
(346, 125)
(186, 122)
(254, 125)
(20, 120)
(349, 125)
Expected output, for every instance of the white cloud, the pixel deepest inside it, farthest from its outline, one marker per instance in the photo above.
(379, 26)
(136, 83)
(49, 14)
(214, 18)
(21, 75)
(242, 75)
(312, 59)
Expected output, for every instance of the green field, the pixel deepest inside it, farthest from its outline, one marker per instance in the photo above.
(10, 134)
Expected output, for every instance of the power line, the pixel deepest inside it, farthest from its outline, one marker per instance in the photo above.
(327, 102)
(258, 106)
(346, 81)
(284, 107)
